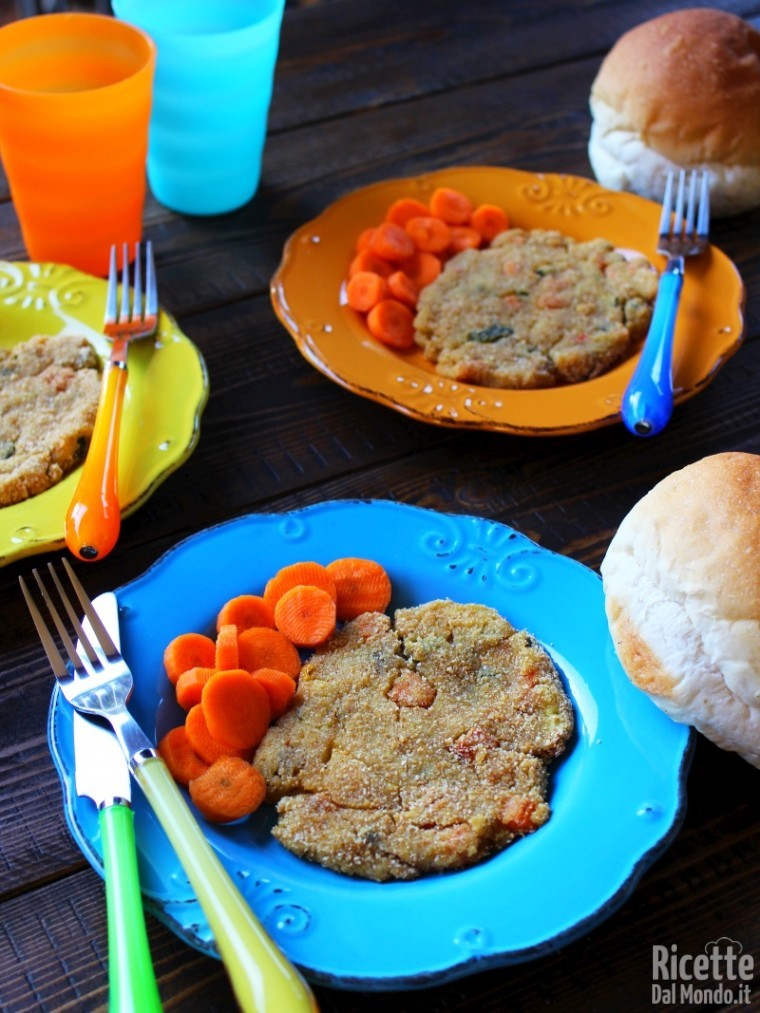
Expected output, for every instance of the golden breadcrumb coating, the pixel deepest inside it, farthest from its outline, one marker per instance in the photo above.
(416, 746)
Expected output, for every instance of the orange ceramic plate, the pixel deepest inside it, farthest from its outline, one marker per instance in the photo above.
(308, 297)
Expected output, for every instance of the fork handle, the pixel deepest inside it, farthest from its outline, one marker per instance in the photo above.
(132, 981)
(262, 978)
(93, 519)
(648, 399)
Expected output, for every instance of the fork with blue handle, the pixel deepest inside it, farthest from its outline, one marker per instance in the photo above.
(683, 232)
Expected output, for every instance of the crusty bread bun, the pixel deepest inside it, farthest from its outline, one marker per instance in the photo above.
(682, 595)
(681, 91)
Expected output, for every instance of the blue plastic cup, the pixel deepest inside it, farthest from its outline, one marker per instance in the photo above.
(211, 96)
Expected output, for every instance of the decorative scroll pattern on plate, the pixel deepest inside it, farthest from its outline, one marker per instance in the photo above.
(44, 286)
(568, 196)
(481, 550)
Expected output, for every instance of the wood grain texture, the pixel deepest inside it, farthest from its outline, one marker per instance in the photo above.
(366, 90)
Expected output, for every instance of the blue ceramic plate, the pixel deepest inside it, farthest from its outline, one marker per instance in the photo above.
(617, 795)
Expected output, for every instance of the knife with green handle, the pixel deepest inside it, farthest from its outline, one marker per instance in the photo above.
(102, 774)
(262, 977)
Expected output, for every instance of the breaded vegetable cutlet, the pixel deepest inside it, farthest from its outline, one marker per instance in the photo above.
(416, 746)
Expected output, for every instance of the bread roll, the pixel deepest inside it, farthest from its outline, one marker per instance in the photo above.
(681, 91)
(682, 596)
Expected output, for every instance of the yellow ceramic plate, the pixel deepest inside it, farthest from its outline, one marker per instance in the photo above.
(308, 296)
(165, 395)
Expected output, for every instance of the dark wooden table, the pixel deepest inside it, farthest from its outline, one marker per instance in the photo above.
(366, 90)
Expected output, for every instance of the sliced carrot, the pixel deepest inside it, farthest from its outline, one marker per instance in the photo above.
(363, 586)
(226, 653)
(260, 647)
(392, 323)
(403, 209)
(453, 206)
(366, 260)
(307, 572)
(184, 764)
(402, 288)
(391, 242)
(228, 790)
(489, 220)
(306, 615)
(190, 685)
(236, 708)
(364, 238)
(188, 650)
(203, 742)
(428, 233)
(423, 268)
(280, 689)
(365, 290)
(244, 611)
(463, 237)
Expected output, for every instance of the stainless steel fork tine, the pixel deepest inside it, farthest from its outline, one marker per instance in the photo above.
(151, 286)
(51, 650)
(124, 310)
(667, 207)
(73, 618)
(63, 633)
(113, 289)
(691, 204)
(102, 634)
(703, 217)
(137, 306)
(678, 220)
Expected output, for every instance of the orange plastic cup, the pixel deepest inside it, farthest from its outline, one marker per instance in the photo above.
(75, 100)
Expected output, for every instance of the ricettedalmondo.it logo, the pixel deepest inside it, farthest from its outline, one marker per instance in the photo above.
(720, 975)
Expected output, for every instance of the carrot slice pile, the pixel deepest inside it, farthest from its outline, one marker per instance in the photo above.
(395, 259)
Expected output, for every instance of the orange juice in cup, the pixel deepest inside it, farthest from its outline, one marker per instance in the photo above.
(75, 101)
